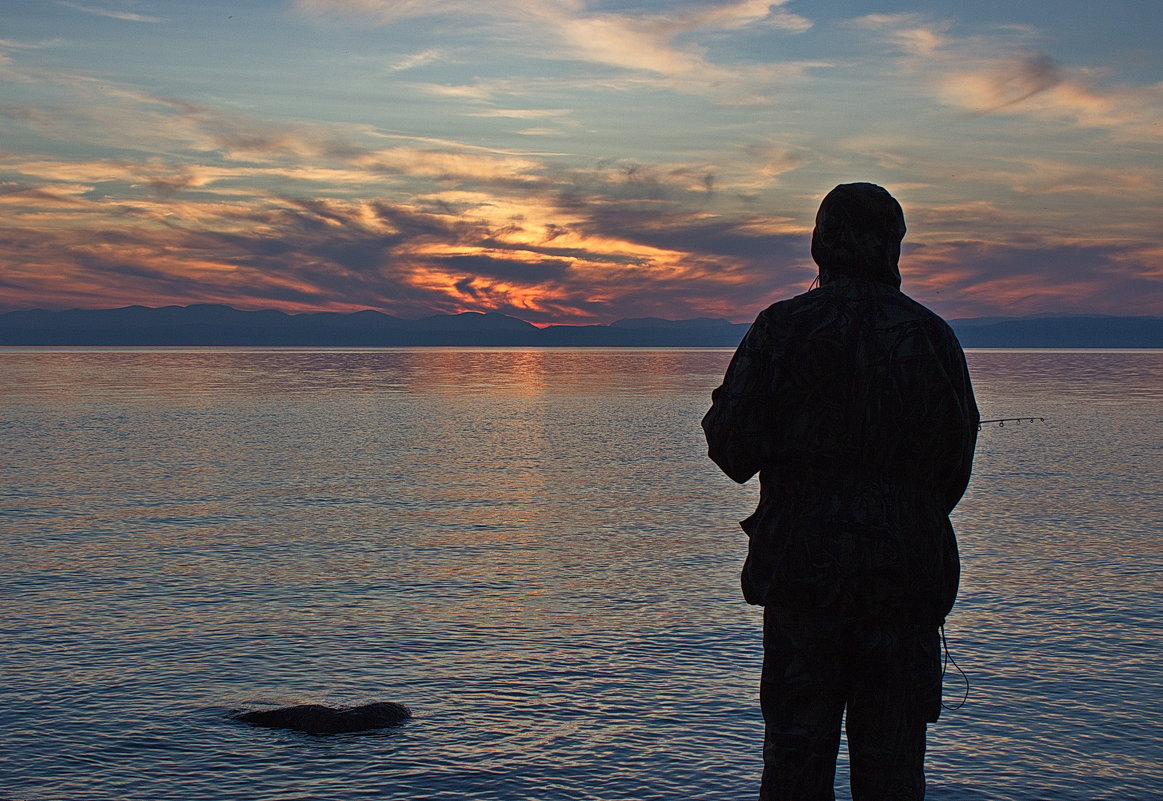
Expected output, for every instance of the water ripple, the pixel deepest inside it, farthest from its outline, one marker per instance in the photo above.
(530, 549)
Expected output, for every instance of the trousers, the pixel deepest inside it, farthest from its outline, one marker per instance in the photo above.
(881, 679)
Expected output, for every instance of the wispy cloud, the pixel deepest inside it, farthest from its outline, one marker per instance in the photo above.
(559, 30)
(420, 59)
(914, 34)
(1038, 87)
(520, 113)
(12, 44)
(1009, 82)
(128, 16)
(1004, 72)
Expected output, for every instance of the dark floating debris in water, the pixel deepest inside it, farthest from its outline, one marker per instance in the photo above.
(319, 719)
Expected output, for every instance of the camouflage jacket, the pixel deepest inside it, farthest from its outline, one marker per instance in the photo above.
(854, 405)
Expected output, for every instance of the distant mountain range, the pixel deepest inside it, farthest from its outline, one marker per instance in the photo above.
(216, 325)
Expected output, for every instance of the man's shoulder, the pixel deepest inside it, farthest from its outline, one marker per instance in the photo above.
(924, 314)
(913, 306)
(784, 318)
(798, 304)
(832, 303)
(780, 317)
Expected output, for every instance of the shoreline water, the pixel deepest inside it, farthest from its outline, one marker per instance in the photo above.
(529, 548)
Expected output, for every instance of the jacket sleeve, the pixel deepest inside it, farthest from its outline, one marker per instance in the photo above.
(969, 423)
(735, 426)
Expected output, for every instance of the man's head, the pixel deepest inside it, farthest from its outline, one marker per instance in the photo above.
(859, 229)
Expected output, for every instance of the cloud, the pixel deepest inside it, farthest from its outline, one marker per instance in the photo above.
(769, 161)
(12, 44)
(983, 279)
(8, 69)
(20, 195)
(914, 34)
(552, 251)
(383, 10)
(1043, 176)
(746, 13)
(997, 72)
(309, 217)
(565, 30)
(1037, 87)
(1010, 82)
(162, 199)
(582, 247)
(519, 113)
(104, 12)
(448, 165)
(418, 59)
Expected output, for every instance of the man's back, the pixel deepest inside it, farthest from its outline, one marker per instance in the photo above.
(853, 401)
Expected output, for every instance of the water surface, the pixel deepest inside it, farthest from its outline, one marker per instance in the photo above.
(529, 548)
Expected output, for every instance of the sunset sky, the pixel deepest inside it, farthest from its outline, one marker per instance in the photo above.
(574, 161)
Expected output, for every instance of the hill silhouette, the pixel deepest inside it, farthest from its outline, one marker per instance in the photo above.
(219, 325)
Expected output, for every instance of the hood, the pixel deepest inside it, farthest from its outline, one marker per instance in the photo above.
(859, 229)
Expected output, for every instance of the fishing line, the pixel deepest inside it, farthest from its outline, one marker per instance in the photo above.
(944, 666)
(948, 658)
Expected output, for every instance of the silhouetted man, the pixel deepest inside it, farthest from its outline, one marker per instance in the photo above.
(853, 403)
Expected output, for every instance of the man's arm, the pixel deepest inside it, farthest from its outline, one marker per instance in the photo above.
(736, 424)
(970, 420)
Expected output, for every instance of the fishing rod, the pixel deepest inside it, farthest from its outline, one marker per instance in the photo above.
(1001, 421)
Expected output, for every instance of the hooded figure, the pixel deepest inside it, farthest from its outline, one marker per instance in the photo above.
(859, 229)
(853, 403)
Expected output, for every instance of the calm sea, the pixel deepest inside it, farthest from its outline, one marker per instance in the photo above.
(529, 548)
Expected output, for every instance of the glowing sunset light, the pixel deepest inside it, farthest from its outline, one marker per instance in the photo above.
(573, 162)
